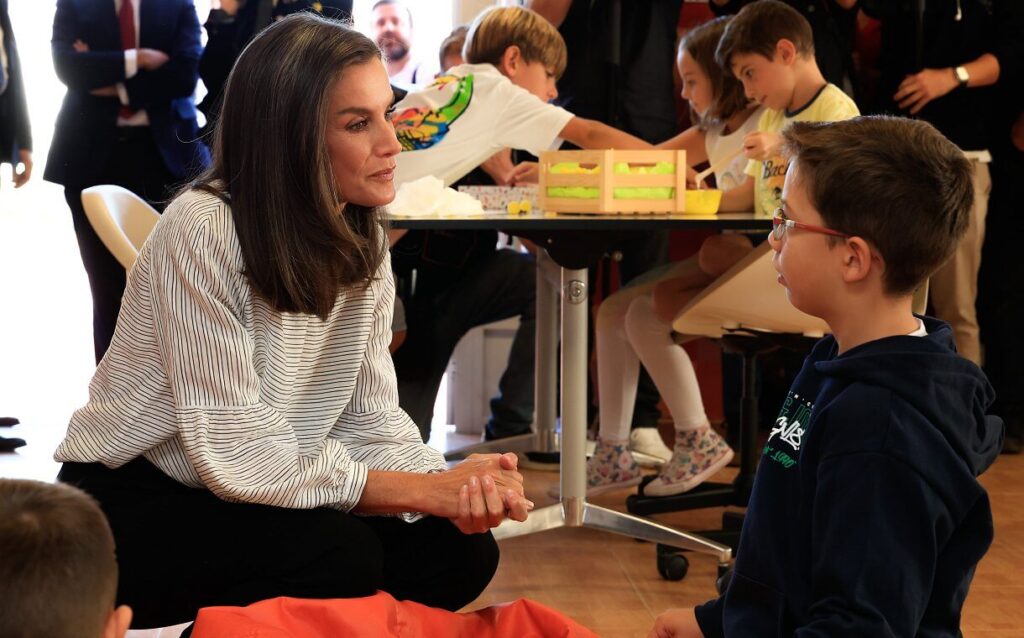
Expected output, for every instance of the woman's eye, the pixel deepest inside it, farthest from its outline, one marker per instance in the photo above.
(357, 125)
(390, 114)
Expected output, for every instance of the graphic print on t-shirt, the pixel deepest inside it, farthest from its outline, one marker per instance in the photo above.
(783, 445)
(773, 178)
(422, 127)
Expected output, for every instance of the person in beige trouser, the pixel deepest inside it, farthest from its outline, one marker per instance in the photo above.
(954, 287)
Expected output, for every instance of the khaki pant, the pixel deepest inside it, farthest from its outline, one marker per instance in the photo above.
(954, 287)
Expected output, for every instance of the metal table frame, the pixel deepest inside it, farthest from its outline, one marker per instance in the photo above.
(573, 242)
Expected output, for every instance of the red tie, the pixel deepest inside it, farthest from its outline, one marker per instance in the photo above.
(127, 19)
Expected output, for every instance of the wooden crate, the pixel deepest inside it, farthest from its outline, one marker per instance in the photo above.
(606, 181)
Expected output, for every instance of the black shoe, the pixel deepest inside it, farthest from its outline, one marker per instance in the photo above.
(7, 421)
(490, 435)
(11, 444)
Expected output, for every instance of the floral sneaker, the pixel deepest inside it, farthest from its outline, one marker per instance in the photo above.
(610, 467)
(698, 454)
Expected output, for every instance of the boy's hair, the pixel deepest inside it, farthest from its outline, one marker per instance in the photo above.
(58, 572)
(453, 43)
(498, 28)
(895, 182)
(757, 29)
(727, 92)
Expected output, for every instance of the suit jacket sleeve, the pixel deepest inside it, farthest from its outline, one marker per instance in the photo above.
(177, 78)
(81, 71)
(16, 90)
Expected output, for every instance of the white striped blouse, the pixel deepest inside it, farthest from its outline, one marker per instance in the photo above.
(219, 390)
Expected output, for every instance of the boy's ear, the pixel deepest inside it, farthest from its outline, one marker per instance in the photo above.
(859, 260)
(118, 622)
(785, 51)
(511, 61)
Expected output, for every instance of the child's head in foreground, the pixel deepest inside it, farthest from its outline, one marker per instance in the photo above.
(887, 200)
(714, 94)
(769, 47)
(58, 572)
(522, 44)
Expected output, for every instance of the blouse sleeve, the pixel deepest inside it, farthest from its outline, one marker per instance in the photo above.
(375, 430)
(242, 449)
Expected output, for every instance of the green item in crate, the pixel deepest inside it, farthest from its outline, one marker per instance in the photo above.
(620, 168)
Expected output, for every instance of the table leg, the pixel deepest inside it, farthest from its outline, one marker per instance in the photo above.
(573, 510)
(546, 362)
(543, 439)
(574, 383)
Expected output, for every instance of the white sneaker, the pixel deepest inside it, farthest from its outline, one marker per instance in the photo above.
(648, 448)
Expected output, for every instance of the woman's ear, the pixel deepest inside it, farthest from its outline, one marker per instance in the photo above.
(511, 61)
(859, 260)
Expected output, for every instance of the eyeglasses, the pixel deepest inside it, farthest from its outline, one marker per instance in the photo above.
(780, 224)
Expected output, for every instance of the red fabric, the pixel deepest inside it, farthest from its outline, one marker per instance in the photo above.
(381, 616)
(127, 19)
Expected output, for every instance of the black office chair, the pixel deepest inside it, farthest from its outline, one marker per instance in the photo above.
(747, 311)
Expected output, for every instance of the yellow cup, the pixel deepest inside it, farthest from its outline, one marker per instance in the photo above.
(703, 202)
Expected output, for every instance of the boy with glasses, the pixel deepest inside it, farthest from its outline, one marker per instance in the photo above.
(867, 517)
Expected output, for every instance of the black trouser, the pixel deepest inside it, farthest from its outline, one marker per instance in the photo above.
(135, 163)
(1000, 295)
(180, 549)
(448, 303)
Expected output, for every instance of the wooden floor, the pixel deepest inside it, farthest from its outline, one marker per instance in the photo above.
(610, 583)
(607, 583)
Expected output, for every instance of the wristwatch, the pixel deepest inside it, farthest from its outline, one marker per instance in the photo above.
(962, 77)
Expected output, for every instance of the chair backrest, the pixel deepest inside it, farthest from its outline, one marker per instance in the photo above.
(122, 219)
(747, 295)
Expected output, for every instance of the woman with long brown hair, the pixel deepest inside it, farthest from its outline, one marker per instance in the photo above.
(243, 430)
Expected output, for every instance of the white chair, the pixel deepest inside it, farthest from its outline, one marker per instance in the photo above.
(748, 296)
(122, 219)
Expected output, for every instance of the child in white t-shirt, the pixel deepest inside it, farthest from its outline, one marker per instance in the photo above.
(498, 100)
(630, 330)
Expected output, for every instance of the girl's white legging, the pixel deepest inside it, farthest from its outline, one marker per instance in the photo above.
(628, 332)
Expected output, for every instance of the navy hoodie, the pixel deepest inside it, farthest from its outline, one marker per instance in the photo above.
(867, 518)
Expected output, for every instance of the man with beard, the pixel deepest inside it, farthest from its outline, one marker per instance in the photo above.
(392, 30)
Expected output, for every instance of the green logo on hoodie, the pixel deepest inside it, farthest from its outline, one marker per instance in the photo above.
(783, 444)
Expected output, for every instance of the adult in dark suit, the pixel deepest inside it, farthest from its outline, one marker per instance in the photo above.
(234, 24)
(15, 131)
(128, 118)
(15, 138)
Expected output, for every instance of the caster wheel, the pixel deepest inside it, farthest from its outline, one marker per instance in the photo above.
(672, 566)
(724, 576)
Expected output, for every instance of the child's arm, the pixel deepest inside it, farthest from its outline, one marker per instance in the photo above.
(739, 198)
(554, 10)
(593, 134)
(692, 141)
(760, 145)
(676, 623)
